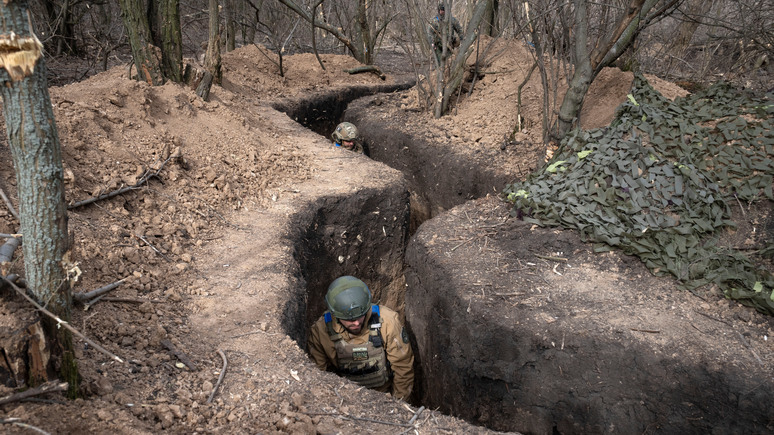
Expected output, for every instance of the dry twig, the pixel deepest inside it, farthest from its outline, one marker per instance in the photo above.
(548, 257)
(147, 175)
(10, 206)
(61, 322)
(82, 297)
(48, 387)
(179, 354)
(220, 378)
(15, 421)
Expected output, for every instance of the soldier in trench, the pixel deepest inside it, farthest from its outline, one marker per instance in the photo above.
(363, 342)
(346, 136)
(439, 27)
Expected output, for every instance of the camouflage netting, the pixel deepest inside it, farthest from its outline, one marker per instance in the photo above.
(657, 183)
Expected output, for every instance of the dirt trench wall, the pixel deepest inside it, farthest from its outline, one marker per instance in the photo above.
(322, 112)
(439, 177)
(363, 235)
(594, 345)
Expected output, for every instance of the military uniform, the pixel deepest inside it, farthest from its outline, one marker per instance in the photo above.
(357, 148)
(436, 29)
(380, 357)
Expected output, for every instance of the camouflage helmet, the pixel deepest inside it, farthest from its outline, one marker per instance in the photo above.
(348, 298)
(345, 131)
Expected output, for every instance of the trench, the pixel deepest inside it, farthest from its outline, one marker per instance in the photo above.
(333, 234)
(504, 380)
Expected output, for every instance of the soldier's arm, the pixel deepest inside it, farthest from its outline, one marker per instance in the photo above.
(316, 349)
(401, 358)
(457, 27)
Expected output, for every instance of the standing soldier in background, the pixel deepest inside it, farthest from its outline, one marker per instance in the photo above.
(439, 28)
(365, 343)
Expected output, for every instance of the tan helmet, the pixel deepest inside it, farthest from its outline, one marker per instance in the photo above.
(344, 131)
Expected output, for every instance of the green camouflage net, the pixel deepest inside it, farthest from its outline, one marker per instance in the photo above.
(657, 184)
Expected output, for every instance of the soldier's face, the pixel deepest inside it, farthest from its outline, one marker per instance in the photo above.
(441, 13)
(353, 326)
(348, 144)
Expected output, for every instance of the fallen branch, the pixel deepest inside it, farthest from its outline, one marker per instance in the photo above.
(14, 278)
(151, 246)
(548, 257)
(179, 354)
(220, 378)
(10, 206)
(9, 236)
(48, 387)
(147, 175)
(367, 68)
(127, 300)
(61, 322)
(6, 254)
(82, 297)
(257, 331)
(416, 415)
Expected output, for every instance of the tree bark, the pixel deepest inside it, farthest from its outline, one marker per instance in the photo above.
(62, 28)
(36, 151)
(491, 24)
(167, 22)
(457, 69)
(696, 9)
(589, 65)
(212, 62)
(147, 56)
(230, 16)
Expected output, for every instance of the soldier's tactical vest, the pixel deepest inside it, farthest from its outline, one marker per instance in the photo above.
(365, 364)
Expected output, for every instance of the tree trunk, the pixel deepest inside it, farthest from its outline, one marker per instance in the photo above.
(230, 25)
(147, 56)
(337, 33)
(62, 40)
(36, 151)
(582, 77)
(491, 24)
(588, 65)
(364, 32)
(166, 21)
(697, 9)
(457, 69)
(212, 57)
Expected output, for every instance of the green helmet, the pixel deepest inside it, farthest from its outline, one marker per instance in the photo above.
(348, 298)
(344, 131)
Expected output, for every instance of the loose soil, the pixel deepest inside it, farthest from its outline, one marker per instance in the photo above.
(229, 249)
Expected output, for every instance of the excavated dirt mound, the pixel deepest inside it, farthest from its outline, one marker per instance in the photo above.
(227, 252)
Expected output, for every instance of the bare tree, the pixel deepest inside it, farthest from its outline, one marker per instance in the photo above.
(155, 38)
(212, 58)
(575, 40)
(36, 151)
(370, 24)
(60, 26)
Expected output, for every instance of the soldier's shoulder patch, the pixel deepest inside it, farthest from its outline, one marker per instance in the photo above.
(404, 335)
